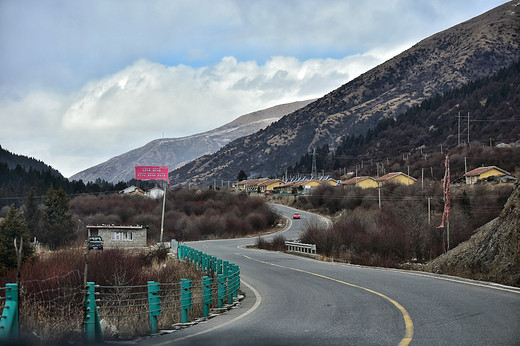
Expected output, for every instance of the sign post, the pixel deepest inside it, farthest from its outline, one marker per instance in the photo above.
(154, 173)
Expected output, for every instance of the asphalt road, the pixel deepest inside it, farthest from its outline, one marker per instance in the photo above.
(291, 300)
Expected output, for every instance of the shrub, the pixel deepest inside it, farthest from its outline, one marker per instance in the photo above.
(276, 244)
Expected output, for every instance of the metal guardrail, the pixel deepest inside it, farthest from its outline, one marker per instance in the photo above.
(301, 247)
(9, 318)
(159, 298)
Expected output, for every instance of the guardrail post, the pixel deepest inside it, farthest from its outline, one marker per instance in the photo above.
(236, 280)
(219, 266)
(9, 319)
(180, 251)
(154, 305)
(221, 290)
(225, 268)
(199, 259)
(206, 295)
(228, 273)
(93, 332)
(185, 299)
(214, 264)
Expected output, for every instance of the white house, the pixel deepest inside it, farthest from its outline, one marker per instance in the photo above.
(116, 236)
(155, 193)
(132, 190)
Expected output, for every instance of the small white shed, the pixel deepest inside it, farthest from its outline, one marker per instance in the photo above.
(117, 236)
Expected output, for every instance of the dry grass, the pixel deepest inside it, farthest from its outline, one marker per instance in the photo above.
(52, 294)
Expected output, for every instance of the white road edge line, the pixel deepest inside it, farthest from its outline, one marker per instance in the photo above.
(253, 308)
(465, 281)
(444, 277)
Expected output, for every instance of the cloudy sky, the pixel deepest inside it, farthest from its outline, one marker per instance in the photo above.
(84, 81)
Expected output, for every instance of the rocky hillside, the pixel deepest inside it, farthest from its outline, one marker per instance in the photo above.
(492, 253)
(471, 50)
(175, 152)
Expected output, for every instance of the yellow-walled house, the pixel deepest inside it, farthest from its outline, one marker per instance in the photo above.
(397, 178)
(362, 182)
(331, 182)
(269, 185)
(482, 173)
(249, 185)
(309, 184)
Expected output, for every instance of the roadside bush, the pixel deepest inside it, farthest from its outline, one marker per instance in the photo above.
(276, 244)
(257, 221)
(401, 230)
(189, 214)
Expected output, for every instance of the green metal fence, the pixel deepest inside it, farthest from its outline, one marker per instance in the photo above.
(141, 303)
(155, 298)
(9, 318)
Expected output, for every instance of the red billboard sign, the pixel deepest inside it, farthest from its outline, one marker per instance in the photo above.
(151, 172)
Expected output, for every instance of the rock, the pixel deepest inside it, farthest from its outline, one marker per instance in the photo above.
(492, 253)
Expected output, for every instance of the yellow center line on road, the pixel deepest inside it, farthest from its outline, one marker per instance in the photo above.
(408, 335)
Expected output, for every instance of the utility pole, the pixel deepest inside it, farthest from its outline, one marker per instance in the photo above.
(162, 217)
(429, 211)
(422, 178)
(468, 129)
(379, 194)
(458, 135)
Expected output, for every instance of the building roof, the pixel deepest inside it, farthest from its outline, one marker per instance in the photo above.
(269, 181)
(250, 182)
(115, 227)
(131, 189)
(393, 175)
(480, 170)
(355, 180)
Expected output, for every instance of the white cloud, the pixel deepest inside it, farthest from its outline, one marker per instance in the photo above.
(146, 100)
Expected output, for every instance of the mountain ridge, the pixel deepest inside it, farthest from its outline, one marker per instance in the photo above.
(174, 152)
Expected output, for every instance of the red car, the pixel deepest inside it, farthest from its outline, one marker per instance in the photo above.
(296, 216)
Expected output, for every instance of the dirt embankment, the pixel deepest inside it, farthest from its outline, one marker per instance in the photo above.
(492, 253)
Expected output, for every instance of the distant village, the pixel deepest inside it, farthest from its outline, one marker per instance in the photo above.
(304, 185)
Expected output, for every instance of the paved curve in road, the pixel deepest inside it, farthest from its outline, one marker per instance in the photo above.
(292, 300)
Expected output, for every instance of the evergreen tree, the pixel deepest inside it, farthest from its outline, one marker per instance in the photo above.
(32, 214)
(58, 225)
(13, 226)
(241, 175)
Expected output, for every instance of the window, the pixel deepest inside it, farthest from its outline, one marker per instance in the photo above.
(125, 236)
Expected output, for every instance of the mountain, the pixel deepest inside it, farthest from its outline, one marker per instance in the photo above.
(175, 152)
(26, 163)
(421, 136)
(468, 51)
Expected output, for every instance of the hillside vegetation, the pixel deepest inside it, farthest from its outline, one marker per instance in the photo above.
(420, 137)
(20, 174)
(189, 214)
(401, 230)
(492, 253)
